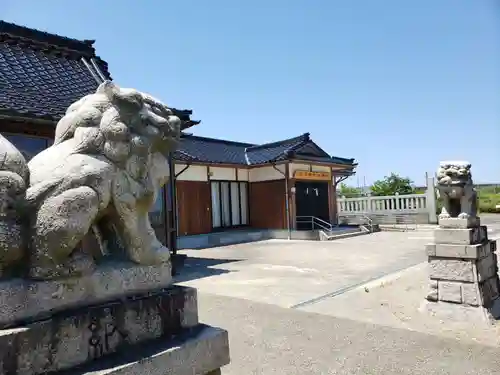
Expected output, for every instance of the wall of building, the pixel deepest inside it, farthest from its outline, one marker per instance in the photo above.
(267, 204)
(266, 194)
(206, 173)
(222, 174)
(243, 174)
(191, 172)
(266, 173)
(297, 167)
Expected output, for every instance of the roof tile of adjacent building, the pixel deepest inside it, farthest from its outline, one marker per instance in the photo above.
(216, 151)
(41, 74)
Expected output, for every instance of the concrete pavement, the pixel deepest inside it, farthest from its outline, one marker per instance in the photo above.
(295, 272)
(266, 339)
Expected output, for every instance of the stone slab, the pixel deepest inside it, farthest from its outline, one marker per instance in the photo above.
(471, 295)
(450, 291)
(69, 339)
(476, 251)
(451, 270)
(456, 223)
(201, 352)
(469, 236)
(26, 299)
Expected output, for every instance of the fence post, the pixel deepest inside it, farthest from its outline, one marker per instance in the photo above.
(430, 197)
(369, 203)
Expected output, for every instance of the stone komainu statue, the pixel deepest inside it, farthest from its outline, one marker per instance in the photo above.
(101, 176)
(455, 187)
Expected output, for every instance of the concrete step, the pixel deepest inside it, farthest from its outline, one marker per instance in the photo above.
(325, 237)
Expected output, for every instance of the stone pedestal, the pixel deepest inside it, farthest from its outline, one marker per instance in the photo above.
(125, 325)
(464, 282)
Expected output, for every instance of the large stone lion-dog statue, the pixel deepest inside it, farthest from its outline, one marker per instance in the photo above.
(104, 170)
(455, 187)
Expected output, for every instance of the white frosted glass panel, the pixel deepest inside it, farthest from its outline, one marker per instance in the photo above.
(235, 204)
(244, 203)
(216, 216)
(226, 212)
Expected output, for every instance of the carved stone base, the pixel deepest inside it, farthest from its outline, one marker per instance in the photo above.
(159, 328)
(200, 352)
(71, 338)
(22, 300)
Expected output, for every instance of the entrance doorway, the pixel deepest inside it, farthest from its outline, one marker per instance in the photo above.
(311, 199)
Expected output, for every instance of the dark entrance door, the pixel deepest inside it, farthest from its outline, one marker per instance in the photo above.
(311, 200)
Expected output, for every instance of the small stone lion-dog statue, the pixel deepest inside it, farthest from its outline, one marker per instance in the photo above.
(455, 187)
(104, 170)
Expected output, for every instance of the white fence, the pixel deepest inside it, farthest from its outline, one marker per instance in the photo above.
(419, 205)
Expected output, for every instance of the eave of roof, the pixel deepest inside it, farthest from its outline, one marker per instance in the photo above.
(217, 151)
(329, 160)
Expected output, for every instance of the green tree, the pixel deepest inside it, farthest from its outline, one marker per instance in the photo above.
(390, 185)
(349, 191)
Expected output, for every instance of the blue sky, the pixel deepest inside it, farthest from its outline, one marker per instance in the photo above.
(398, 85)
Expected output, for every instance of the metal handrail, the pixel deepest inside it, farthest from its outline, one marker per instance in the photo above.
(322, 221)
(313, 220)
(369, 222)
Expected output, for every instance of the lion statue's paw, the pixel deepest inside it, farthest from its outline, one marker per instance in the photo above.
(157, 254)
(77, 265)
(444, 215)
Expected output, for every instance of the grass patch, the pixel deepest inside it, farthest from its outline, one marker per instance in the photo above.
(488, 198)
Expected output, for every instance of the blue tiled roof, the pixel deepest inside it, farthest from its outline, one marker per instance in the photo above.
(275, 151)
(216, 151)
(211, 150)
(41, 74)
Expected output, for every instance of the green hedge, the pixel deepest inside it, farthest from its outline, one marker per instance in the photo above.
(487, 202)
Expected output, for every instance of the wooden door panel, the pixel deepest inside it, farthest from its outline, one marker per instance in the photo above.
(267, 204)
(193, 202)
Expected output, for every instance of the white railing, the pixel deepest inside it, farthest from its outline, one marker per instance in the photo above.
(410, 204)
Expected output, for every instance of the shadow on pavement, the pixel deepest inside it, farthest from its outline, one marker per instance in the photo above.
(197, 268)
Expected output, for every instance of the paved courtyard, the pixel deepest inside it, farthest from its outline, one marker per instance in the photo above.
(343, 307)
(292, 273)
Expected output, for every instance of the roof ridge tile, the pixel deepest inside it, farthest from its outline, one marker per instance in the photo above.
(302, 137)
(38, 37)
